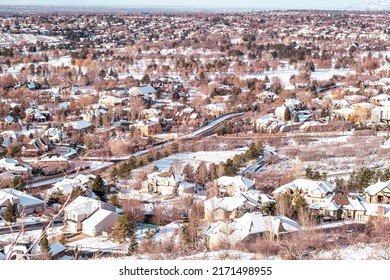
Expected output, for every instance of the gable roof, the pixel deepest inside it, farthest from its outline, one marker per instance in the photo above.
(83, 205)
(78, 125)
(237, 181)
(225, 203)
(377, 187)
(251, 223)
(306, 186)
(98, 217)
(24, 198)
(143, 90)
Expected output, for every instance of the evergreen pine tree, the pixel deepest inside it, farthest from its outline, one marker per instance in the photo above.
(287, 114)
(76, 192)
(133, 246)
(10, 213)
(114, 200)
(44, 245)
(98, 188)
(123, 228)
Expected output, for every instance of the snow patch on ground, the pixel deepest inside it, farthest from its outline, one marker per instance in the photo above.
(195, 158)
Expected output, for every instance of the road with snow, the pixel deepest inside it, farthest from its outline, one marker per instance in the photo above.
(204, 131)
(260, 164)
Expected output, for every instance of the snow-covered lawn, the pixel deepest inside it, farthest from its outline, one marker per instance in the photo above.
(30, 235)
(94, 244)
(357, 251)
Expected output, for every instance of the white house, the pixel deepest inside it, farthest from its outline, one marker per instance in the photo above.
(101, 221)
(81, 209)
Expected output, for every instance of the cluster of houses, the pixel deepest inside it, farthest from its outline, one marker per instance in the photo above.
(238, 216)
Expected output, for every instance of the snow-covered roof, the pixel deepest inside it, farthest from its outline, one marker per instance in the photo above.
(66, 186)
(355, 204)
(381, 97)
(9, 119)
(185, 185)
(166, 232)
(252, 223)
(373, 209)
(143, 90)
(377, 187)
(78, 125)
(326, 205)
(239, 182)
(56, 248)
(110, 99)
(98, 217)
(83, 205)
(306, 186)
(225, 203)
(6, 162)
(24, 198)
(13, 165)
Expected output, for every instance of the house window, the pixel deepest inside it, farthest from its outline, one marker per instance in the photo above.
(380, 199)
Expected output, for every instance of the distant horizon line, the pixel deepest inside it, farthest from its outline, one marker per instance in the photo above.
(185, 8)
(172, 6)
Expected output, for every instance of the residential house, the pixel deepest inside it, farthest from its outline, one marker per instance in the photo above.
(224, 208)
(11, 165)
(151, 113)
(81, 209)
(230, 185)
(148, 128)
(100, 222)
(186, 189)
(25, 203)
(110, 101)
(380, 114)
(267, 96)
(328, 210)
(54, 135)
(248, 228)
(147, 92)
(165, 183)
(313, 191)
(270, 124)
(80, 125)
(378, 193)
(378, 99)
(67, 185)
(356, 208)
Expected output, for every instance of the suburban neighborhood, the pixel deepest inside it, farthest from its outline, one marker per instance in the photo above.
(154, 134)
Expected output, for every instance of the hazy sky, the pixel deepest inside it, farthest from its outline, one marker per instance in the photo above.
(307, 4)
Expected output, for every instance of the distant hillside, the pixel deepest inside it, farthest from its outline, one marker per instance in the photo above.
(371, 5)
